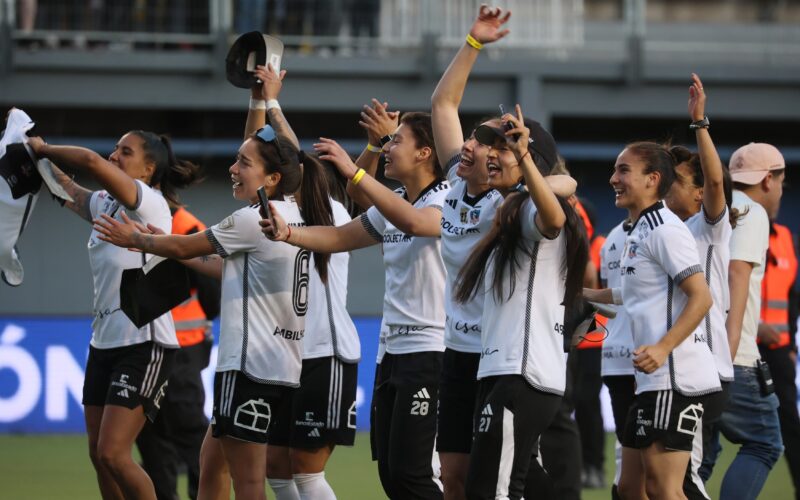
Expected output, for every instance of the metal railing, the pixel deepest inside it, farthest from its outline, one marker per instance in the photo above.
(301, 24)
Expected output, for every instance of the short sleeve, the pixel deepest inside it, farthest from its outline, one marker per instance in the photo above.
(151, 208)
(94, 203)
(675, 250)
(750, 237)
(451, 167)
(239, 232)
(435, 198)
(374, 223)
(530, 231)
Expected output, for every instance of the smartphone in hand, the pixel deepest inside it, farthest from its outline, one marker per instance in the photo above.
(264, 208)
(507, 125)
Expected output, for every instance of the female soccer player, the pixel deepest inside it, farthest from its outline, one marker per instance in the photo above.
(528, 269)
(408, 379)
(666, 297)
(127, 366)
(698, 198)
(264, 302)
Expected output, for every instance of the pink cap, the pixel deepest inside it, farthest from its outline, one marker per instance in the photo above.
(751, 163)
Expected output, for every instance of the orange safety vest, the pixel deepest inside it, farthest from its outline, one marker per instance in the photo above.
(594, 339)
(191, 324)
(779, 276)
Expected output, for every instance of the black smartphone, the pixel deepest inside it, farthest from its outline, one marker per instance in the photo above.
(507, 125)
(264, 209)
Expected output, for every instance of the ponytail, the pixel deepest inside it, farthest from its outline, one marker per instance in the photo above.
(170, 173)
(315, 204)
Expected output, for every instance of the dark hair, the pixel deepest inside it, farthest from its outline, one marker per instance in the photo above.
(170, 173)
(280, 156)
(734, 214)
(657, 158)
(504, 245)
(682, 154)
(315, 204)
(422, 129)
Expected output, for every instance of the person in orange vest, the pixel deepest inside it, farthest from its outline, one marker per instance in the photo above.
(177, 433)
(588, 382)
(776, 343)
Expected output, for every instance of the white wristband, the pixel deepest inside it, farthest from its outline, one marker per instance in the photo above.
(273, 103)
(616, 293)
(258, 104)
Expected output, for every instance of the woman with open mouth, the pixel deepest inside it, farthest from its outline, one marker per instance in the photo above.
(528, 269)
(263, 306)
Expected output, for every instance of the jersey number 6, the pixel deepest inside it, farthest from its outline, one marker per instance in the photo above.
(300, 288)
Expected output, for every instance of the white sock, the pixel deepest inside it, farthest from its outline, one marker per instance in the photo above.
(284, 489)
(314, 487)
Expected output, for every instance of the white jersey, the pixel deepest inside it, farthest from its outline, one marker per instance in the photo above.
(618, 345)
(264, 297)
(465, 220)
(713, 246)
(749, 243)
(413, 305)
(659, 254)
(111, 327)
(329, 329)
(523, 334)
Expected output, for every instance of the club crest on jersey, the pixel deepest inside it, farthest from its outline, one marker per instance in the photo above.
(474, 215)
(226, 223)
(632, 249)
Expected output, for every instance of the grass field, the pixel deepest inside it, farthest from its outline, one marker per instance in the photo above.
(57, 467)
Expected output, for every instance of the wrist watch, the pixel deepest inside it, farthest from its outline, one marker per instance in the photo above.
(704, 123)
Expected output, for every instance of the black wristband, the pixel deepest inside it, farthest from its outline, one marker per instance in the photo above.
(386, 139)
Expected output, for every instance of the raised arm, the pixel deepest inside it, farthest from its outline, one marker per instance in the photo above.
(406, 217)
(119, 184)
(446, 99)
(550, 217)
(80, 194)
(323, 239)
(378, 122)
(268, 93)
(174, 246)
(713, 191)
(650, 357)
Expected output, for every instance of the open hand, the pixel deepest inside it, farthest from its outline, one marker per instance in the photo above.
(331, 151)
(122, 233)
(487, 28)
(378, 121)
(697, 99)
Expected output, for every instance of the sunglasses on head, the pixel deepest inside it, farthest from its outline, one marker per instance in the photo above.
(267, 135)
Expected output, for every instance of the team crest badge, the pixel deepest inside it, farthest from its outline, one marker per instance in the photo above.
(474, 216)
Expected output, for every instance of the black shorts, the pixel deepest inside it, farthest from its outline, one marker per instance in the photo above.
(248, 410)
(510, 416)
(324, 407)
(665, 416)
(128, 376)
(457, 392)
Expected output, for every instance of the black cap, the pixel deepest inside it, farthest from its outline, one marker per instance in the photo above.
(540, 142)
(263, 48)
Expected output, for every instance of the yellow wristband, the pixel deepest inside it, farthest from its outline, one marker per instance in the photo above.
(357, 178)
(473, 42)
(374, 149)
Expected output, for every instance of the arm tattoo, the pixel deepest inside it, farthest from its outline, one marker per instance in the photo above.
(80, 194)
(281, 126)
